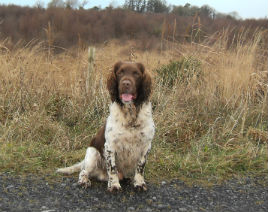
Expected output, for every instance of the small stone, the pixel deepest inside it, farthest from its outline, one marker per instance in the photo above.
(161, 206)
(182, 209)
(149, 201)
(75, 185)
(10, 186)
(154, 198)
(130, 209)
(163, 182)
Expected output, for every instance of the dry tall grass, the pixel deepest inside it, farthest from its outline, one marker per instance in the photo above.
(210, 128)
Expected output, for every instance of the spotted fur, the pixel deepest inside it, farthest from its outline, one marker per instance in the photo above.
(121, 146)
(129, 141)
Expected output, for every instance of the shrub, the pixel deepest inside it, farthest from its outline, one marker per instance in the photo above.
(186, 70)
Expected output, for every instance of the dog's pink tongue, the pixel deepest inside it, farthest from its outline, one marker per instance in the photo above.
(127, 97)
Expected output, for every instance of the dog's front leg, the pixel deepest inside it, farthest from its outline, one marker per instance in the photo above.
(113, 180)
(139, 182)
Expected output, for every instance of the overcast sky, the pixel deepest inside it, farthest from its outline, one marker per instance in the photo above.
(245, 8)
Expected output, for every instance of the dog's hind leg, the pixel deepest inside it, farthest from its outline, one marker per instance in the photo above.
(92, 167)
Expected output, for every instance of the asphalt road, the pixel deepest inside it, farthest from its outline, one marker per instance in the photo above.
(39, 194)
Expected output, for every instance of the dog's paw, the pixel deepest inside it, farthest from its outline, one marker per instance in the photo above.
(114, 188)
(83, 180)
(84, 183)
(141, 187)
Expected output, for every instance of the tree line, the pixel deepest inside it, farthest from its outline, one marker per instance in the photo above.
(144, 6)
(69, 23)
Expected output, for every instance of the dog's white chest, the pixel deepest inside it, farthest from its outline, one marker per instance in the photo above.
(127, 138)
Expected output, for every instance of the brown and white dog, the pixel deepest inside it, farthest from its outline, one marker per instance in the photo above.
(120, 148)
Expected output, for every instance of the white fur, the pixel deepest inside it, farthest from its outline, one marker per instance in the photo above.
(129, 143)
(72, 169)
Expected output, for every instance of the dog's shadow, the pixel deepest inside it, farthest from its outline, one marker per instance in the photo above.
(126, 185)
(101, 186)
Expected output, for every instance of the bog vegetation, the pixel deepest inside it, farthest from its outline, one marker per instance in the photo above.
(209, 97)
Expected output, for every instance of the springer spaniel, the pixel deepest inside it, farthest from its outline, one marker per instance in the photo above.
(121, 146)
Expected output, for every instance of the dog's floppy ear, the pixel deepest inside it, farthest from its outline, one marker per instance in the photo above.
(141, 67)
(112, 84)
(117, 66)
(145, 88)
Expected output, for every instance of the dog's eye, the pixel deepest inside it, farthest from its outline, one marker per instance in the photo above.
(136, 74)
(121, 72)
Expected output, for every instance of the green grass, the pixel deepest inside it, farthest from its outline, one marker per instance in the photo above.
(202, 163)
(206, 163)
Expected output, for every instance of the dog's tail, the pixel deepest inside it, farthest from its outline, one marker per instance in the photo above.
(71, 169)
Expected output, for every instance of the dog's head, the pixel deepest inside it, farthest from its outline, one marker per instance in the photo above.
(129, 83)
